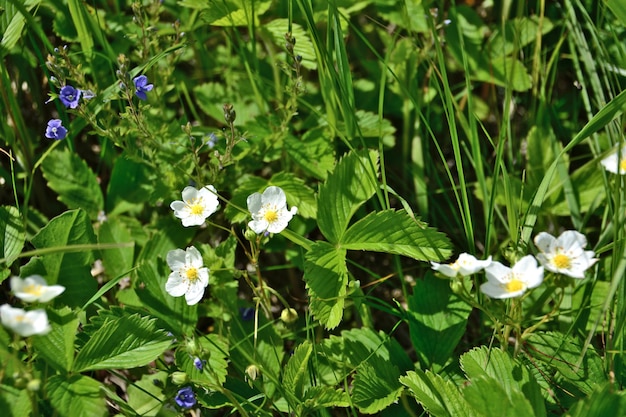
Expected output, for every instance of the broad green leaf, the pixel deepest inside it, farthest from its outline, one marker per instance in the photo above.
(580, 376)
(437, 320)
(214, 350)
(72, 179)
(66, 262)
(396, 232)
(146, 396)
(325, 397)
(12, 235)
(57, 347)
(229, 12)
(326, 277)
(297, 369)
(376, 386)
(180, 317)
(510, 374)
(372, 129)
(411, 15)
(304, 46)
(76, 396)
(439, 397)
(125, 342)
(313, 152)
(518, 33)
(603, 401)
(351, 184)
(131, 184)
(494, 400)
(15, 402)
(116, 261)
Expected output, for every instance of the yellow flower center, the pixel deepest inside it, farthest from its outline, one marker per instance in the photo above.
(34, 289)
(270, 216)
(622, 164)
(561, 261)
(192, 274)
(196, 207)
(514, 285)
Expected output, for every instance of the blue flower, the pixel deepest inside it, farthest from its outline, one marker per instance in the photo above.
(142, 86)
(199, 363)
(185, 398)
(69, 96)
(55, 130)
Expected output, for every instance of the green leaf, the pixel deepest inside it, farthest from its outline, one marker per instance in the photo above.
(313, 152)
(326, 277)
(618, 7)
(75, 183)
(83, 27)
(12, 234)
(124, 342)
(439, 397)
(131, 185)
(325, 397)
(76, 396)
(579, 376)
(297, 368)
(15, 402)
(494, 400)
(214, 349)
(603, 401)
(518, 33)
(12, 31)
(146, 396)
(352, 183)
(376, 386)
(437, 320)
(304, 46)
(116, 261)
(396, 232)
(229, 12)
(512, 375)
(180, 317)
(70, 268)
(57, 347)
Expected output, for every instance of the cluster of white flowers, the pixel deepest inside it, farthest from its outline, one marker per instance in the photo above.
(564, 255)
(30, 290)
(189, 277)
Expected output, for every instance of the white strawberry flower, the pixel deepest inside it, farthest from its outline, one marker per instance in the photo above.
(465, 265)
(566, 254)
(505, 282)
(196, 205)
(34, 288)
(24, 323)
(615, 162)
(189, 277)
(269, 211)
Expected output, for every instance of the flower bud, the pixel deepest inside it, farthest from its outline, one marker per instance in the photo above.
(34, 385)
(252, 373)
(289, 315)
(250, 235)
(179, 378)
(229, 113)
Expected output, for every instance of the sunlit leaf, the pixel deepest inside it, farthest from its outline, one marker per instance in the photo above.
(76, 395)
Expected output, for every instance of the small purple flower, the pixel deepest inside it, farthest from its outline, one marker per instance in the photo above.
(185, 398)
(142, 86)
(55, 130)
(69, 96)
(199, 363)
(212, 141)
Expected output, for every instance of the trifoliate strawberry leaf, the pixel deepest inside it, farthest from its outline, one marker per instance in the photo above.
(76, 395)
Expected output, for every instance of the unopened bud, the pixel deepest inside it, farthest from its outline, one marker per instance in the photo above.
(34, 385)
(179, 378)
(250, 235)
(289, 315)
(252, 373)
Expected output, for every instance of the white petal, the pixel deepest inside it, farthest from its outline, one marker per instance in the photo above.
(194, 294)
(175, 285)
(446, 270)
(275, 196)
(255, 203)
(496, 272)
(189, 193)
(203, 276)
(534, 279)
(179, 207)
(51, 291)
(611, 163)
(192, 220)
(545, 242)
(494, 290)
(258, 226)
(193, 257)
(527, 264)
(572, 240)
(176, 259)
